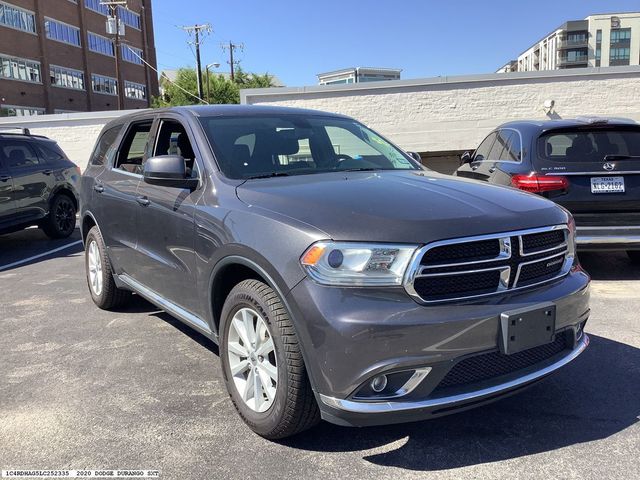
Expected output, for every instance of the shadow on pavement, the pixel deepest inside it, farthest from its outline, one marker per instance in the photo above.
(594, 398)
(609, 266)
(140, 305)
(23, 245)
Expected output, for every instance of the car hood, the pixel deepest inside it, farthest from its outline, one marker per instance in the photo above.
(394, 206)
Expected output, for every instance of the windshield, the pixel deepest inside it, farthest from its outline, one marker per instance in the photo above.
(264, 146)
(590, 145)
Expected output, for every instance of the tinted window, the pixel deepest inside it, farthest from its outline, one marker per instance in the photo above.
(506, 147)
(50, 152)
(289, 144)
(105, 147)
(19, 154)
(589, 146)
(483, 150)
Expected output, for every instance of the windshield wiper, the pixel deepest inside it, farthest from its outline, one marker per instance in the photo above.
(361, 169)
(620, 157)
(269, 175)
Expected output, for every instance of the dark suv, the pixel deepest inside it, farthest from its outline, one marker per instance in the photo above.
(340, 279)
(37, 185)
(589, 165)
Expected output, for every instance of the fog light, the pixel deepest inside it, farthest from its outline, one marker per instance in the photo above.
(379, 383)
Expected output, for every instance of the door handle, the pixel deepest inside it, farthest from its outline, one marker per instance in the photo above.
(5, 178)
(98, 188)
(144, 201)
(47, 172)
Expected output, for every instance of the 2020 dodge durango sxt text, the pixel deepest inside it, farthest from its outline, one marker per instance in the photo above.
(340, 279)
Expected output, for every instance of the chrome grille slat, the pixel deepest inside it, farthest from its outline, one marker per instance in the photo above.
(517, 251)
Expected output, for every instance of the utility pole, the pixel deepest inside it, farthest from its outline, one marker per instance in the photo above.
(232, 47)
(118, 32)
(198, 31)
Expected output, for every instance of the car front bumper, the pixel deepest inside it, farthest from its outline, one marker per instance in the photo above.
(608, 238)
(350, 335)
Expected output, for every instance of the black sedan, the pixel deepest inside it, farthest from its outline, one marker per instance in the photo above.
(37, 185)
(590, 166)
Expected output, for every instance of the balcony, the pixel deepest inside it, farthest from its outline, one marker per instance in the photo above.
(574, 43)
(579, 60)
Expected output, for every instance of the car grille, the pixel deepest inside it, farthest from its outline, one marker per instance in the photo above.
(488, 366)
(478, 266)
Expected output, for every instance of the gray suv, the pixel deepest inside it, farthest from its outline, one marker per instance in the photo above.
(340, 279)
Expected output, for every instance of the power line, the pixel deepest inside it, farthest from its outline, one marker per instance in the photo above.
(166, 78)
(198, 32)
(114, 10)
(232, 47)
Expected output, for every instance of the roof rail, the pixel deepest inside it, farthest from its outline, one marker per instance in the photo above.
(25, 131)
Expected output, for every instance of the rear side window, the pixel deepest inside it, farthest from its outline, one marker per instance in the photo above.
(506, 147)
(105, 147)
(133, 148)
(19, 154)
(484, 149)
(589, 146)
(51, 152)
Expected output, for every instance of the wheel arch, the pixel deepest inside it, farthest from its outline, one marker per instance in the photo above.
(257, 267)
(69, 192)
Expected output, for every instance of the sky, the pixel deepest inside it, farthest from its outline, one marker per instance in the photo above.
(296, 40)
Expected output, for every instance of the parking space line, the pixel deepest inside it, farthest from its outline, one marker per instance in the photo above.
(40, 255)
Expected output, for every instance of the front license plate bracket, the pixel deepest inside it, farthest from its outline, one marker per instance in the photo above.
(527, 328)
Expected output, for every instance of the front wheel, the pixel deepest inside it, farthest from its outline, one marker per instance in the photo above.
(61, 221)
(262, 363)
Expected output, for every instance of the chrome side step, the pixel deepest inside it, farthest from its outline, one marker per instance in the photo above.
(169, 307)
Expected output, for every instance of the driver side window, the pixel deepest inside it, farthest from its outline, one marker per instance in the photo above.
(173, 139)
(482, 152)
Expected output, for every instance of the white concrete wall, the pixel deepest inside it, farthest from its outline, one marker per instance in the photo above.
(455, 113)
(76, 133)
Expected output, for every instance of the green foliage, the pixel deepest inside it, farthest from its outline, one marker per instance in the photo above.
(221, 89)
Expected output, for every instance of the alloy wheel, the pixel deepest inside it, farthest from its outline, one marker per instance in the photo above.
(95, 268)
(64, 215)
(252, 359)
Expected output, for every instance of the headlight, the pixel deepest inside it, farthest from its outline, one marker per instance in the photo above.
(357, 264)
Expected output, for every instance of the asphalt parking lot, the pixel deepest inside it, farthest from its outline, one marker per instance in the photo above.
(83, 388)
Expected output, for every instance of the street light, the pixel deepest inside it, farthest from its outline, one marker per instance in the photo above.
(211, 65)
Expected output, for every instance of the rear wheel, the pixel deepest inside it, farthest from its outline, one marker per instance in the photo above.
(634, 256)
(61, 221)
(104, 292)
(262, 363)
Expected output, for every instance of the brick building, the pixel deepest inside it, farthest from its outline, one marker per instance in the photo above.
(56, 57)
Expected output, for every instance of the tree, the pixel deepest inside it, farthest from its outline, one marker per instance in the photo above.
(221, 88)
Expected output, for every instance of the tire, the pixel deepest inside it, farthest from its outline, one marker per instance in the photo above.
(61, 221)
(105, 294)
(634, 256)
(293, 407)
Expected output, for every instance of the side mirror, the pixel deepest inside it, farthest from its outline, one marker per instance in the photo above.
(168, 171)
(416, 156)
(465, 158)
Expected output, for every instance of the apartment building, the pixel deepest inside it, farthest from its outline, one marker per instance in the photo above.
(358, 75)
(56, 57)
(601, 40)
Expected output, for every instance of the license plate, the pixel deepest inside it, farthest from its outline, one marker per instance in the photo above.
(527, 328)
(607, 184)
